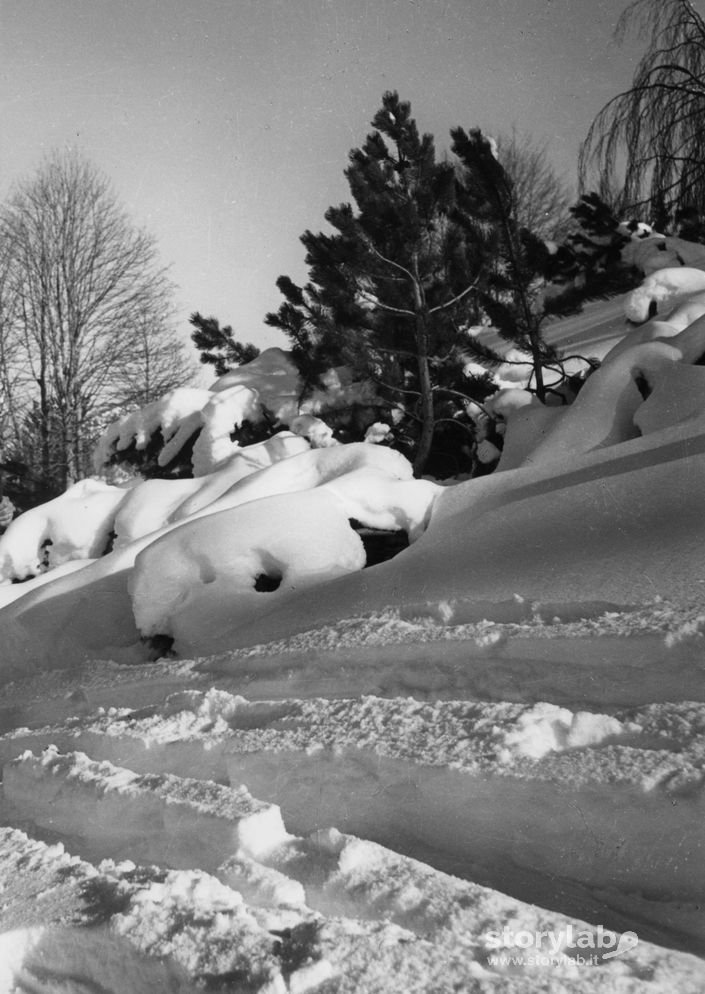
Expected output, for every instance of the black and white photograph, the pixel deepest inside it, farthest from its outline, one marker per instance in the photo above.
(352, 475)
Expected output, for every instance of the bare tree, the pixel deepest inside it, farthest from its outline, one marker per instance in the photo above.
(158, 362)
(79, 280)
(650, 140)
(542, 199)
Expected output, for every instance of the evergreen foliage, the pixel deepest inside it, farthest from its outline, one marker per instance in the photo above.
(395, 286)
(592, 254)
(218, 346)
(519, 265)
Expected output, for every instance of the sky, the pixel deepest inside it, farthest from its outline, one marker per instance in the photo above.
(225, 125)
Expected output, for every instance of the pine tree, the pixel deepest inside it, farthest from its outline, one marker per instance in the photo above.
(514, 292)
(393, 286)
(218, 346)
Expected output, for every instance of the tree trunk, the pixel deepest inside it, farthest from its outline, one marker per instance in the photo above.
(427, 414)
(534, 340)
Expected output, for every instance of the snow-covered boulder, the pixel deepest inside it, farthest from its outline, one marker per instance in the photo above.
(207, 576)
(75, 525)
(662, 289)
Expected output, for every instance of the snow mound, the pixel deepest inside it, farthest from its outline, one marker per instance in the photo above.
(662, 288)
(302, 470)
(153, 503)
(76, 525)
(207, 576)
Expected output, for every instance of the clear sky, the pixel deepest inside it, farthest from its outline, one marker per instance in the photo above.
(225, 124)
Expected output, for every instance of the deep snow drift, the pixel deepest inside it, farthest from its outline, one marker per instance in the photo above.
(469, 768)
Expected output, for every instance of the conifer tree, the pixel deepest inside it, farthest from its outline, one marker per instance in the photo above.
(218, 346)
(515, 290)
(393, 286)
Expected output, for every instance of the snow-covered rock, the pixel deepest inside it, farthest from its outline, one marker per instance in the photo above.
(75, 525)
(205, 577)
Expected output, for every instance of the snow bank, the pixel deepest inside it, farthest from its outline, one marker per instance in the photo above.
(247, 523)
(279, 531)
(63, 631)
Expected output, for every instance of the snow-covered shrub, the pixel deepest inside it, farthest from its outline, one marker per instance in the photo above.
(195, 432)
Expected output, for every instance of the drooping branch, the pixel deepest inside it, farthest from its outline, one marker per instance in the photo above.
(648, 141)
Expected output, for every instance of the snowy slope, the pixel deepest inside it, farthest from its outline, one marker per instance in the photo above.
(473, 767)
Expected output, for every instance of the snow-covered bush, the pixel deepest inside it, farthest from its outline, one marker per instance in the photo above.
(192, 432)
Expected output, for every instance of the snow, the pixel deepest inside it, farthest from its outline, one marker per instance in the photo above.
(370, 779)
(198, 582)
(663, 252)
(547, 728)
(662, 288)
(75, 525)
(176, 416)
(268, 386)
(152, 503)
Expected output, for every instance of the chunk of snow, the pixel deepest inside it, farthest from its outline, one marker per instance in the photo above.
(677, 392)
(176, 415)
(378, 433)
(302, 471)
(546, 728)
(376, 501)
(272, 376)
(487, 452)
(319, 434)
(657, 252)
(603, 412)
